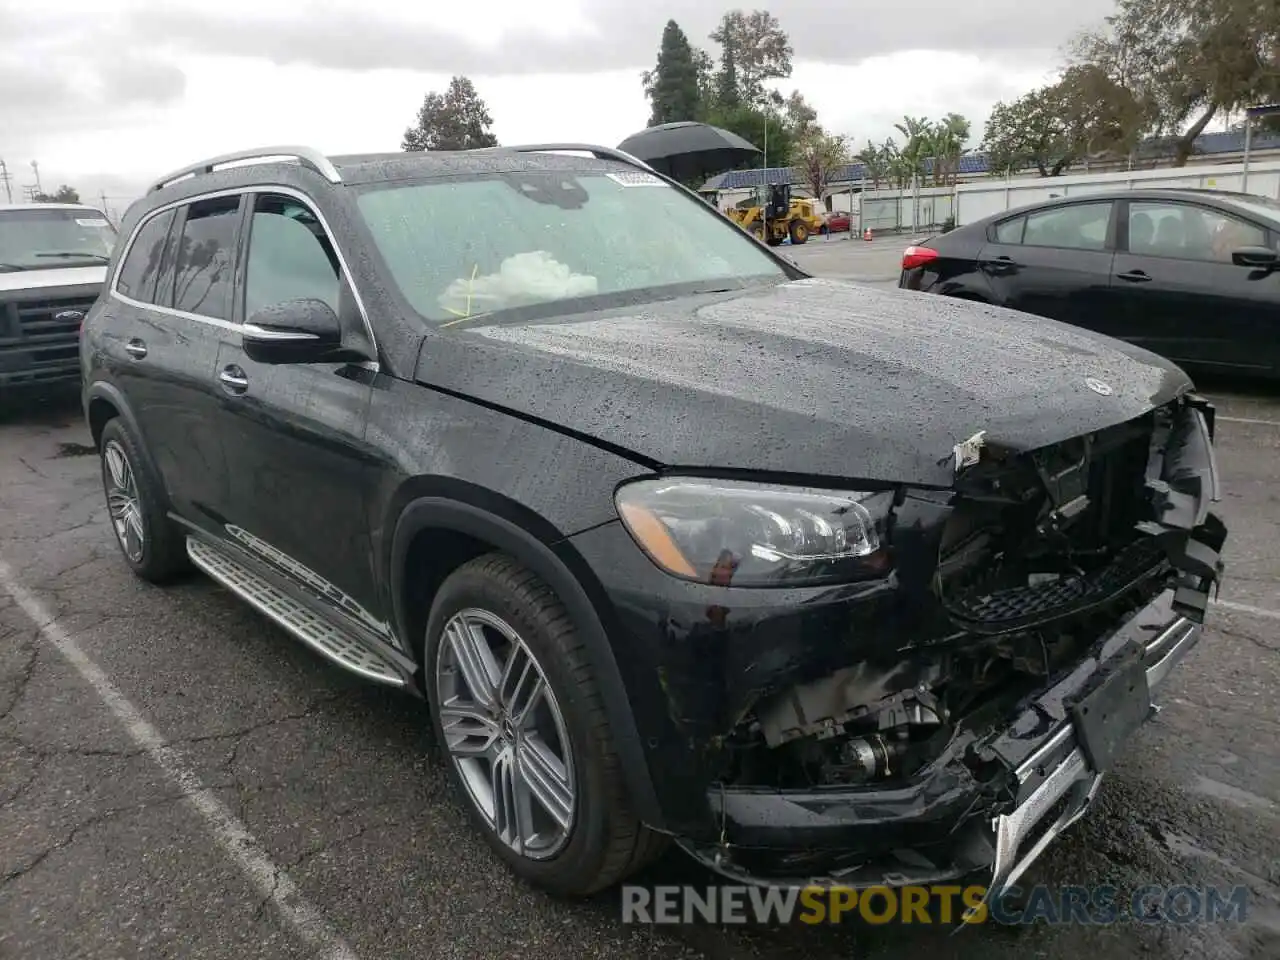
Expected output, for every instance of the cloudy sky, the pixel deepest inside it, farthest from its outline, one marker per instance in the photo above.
(105, 93)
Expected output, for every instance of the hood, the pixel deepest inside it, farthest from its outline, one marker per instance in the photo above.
(822, 377)
(51, 277)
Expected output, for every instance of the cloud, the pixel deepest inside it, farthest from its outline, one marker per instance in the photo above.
(57, 69)
(597, 34)
(108, 93)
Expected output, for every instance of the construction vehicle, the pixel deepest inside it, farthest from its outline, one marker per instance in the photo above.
(773, 215)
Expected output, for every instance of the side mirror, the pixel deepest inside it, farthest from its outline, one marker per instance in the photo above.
(1260, 258)
(296, 331)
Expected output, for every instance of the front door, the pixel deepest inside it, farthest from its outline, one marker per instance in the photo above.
(1184, 297)
(294, 432)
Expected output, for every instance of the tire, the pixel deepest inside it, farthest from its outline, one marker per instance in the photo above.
(152, 545)
(799, 232)
(604, 841)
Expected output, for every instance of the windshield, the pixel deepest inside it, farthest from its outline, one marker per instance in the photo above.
(458, 249)
(39, 239)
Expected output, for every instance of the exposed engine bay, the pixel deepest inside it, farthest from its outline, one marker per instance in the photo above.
(1042, 554)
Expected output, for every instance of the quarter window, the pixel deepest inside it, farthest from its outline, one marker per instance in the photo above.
(1188, 232)
(1010, 231)
(290, 257)
(1078, 226)
(205, 258)
(141, 265)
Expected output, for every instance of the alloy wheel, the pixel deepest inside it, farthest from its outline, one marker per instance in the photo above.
(505, 734)
(122, 501)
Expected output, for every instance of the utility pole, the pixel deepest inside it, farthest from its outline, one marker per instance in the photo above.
(5, 177)
(36, 168)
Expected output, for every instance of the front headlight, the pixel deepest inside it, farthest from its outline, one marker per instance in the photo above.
(742, 534)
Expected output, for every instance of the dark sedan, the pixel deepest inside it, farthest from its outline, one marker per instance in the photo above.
(1190, 274)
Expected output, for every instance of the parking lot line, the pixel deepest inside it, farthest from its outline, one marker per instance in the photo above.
(1253, 420)
(229, 832)
(1248, 609)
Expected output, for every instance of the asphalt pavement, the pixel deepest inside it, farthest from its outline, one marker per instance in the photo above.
(178, 778)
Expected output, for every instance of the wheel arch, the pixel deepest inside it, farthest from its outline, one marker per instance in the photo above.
(465, 529)
(103, 402)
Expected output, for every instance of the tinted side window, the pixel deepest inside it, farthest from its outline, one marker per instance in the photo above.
(1188, 232)
(206, 257)
(141, 265)
(290, 257)
(1080, 226)
(1010, 231)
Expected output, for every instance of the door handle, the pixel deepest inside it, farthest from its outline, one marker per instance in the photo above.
(1001, 261)
(1134, 276)
(233, 379)
(136, 348)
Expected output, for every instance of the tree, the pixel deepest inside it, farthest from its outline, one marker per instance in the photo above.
(817, 157)
(754, 49)
(1187, 61)
(948, 138)
(750, 123)
(1028, 131)
(455, 120)
(64, 194)
(877, 163)
(918, 134)
(1085, 114)
(672, 86)
(705, 68)
(799, 114)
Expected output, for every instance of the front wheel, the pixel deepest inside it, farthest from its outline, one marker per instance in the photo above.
(520, 718)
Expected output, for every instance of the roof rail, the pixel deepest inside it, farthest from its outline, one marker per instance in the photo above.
(600, 153)
(307, 156)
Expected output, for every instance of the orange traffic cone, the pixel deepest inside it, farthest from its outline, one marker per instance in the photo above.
(866, 234)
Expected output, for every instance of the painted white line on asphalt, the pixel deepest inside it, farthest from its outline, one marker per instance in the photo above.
(231, 835)
(1247, 609)
(1263, 423)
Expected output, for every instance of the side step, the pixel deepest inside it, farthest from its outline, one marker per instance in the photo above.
(301, 622)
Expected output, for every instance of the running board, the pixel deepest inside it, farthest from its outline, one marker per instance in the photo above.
(305, 625)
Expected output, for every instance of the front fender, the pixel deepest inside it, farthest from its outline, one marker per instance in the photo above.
(514, 540)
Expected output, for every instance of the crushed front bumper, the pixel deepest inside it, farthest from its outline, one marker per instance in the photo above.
(950, 821)
(1001, 792)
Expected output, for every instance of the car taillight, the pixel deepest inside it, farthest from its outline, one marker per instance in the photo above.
(914, 257)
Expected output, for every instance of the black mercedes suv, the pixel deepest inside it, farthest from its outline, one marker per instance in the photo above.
(829, 584)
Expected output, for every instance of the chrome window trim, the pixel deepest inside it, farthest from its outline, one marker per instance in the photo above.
(253, 190)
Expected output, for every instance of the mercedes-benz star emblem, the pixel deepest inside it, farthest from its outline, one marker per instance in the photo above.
(1098, 386)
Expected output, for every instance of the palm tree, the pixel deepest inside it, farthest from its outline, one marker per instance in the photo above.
(918, 134)
(948, 137)
(876, 163)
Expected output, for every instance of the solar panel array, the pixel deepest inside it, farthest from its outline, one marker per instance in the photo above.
(976, 163)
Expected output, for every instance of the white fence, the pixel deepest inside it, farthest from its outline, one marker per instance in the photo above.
(910, 209)
(973, 201)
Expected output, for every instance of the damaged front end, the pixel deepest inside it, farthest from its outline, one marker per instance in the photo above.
(1064, 585)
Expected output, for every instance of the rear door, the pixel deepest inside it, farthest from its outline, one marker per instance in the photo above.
(1056, 262)
(1183, 296)
(171, 298)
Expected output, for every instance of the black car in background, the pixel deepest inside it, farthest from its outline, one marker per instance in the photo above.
(673, 540)
(1191, 274)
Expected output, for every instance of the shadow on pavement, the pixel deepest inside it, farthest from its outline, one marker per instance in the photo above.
(50, 406)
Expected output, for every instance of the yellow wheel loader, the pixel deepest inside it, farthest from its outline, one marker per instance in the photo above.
(773, 215)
